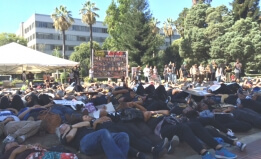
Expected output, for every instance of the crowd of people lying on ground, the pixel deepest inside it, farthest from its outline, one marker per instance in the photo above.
(146, 119)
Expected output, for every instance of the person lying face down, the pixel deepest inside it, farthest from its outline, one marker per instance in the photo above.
(90, 142)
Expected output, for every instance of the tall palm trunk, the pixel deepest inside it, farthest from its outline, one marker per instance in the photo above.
(63, 32)
(90, 45)
(170, 40)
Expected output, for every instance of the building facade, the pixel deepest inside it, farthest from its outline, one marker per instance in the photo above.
(42, 36)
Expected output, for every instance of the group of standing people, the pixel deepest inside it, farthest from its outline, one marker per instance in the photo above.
(29, 77)
(148, 73)
(170, 73)
(212, 72)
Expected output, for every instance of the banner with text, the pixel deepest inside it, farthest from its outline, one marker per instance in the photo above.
(110, 64)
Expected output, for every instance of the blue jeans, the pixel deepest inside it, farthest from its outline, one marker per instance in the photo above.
(114, 145)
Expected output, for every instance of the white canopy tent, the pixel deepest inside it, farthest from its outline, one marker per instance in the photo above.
(16, 58)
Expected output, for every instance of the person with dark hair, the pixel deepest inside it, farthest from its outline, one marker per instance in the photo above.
(76, 73)
(23, 76)
(237, 70)
(228, 70)
(4, 102)
(30, 77)
(17, 103)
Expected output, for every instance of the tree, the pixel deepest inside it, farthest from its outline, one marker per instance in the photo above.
(129, 27)
(194, 47)
(6, 38)
(56, 52)
(246, 8)
(89, 15)
(82, 54)
(154, 25)
(180, 22)
(168, 29)
(241, 41)
(62, 21)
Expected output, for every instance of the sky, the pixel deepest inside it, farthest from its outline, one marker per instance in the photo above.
(13, 12)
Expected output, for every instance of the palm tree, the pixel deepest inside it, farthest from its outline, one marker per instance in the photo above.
(168, 28)
(89, 18)
(153, 24)
(62, 21)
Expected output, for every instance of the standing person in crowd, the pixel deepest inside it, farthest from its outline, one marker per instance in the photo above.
(155, 71)
(169, 72)
(76, 73)
(228, 70)
(208, 72)
(91, 74)
(23, 76)
(237, 70)
(71, 78)
(213, 68)
(30, 77)
(165, 73)
(184, 71)
(151, 71)
(146, 72)
(219, 73)
(138, 74)
(195, 73)
(201, 72)
(173, 73)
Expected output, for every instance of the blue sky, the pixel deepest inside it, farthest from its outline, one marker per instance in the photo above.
(13, 12)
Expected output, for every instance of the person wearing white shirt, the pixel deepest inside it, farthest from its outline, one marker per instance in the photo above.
(91, 74)
(146, 72)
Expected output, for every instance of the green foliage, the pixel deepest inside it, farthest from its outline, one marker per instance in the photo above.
(62, 21)
(246, 8)
(129, 27)
(88, 80)
(6, 38)
(241, 41)
(89, 15)
(82, 54)
(56, 52)
(180, 22)
(64, 75)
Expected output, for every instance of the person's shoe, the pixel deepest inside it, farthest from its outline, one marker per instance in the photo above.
(224, 153)
(160, 149)
(219, 140)
(172, 144)
(231, 135)
(9, 138)
(20, 139)
(241, 146)
(208, 155)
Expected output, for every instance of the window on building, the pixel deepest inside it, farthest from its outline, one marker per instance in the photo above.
(81, 38)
